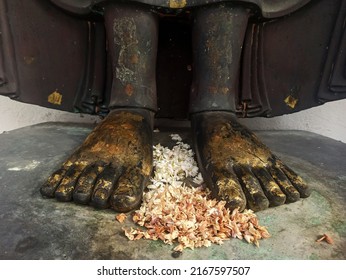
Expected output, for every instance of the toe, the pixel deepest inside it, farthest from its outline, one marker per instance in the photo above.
(128, 194)
(104, 186)
(271, 189)
(86, 182)
(49, 187)
(225, 186)
(65, 189)
(256, 199)
(284, 183)
(296, 181)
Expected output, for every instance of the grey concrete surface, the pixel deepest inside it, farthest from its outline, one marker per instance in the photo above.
(35, 228)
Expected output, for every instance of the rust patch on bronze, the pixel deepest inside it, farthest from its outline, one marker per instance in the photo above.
(129, 89)
(134, 59)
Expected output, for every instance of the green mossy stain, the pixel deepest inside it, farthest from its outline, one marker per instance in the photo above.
(321, 209)
(315, 221)
(267, 220)
(340, 227)
(157, 245)
(320, 201)
(313, 256)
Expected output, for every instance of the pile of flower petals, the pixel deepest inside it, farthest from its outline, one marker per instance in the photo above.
(173, 211)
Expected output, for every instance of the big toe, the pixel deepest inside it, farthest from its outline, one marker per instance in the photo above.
(225, 186)
(256, 199)
(129, 191)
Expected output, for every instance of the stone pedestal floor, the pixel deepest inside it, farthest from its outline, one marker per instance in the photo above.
(35, 228)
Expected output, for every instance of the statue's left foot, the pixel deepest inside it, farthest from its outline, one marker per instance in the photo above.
(239, 168)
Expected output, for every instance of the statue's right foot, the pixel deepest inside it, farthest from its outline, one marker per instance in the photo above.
(111, 167)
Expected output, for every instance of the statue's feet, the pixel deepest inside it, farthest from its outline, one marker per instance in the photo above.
(239, 168)
(111, 167)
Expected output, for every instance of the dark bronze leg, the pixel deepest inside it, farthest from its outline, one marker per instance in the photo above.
(217, 37)
(236, 165)
(112, 166)
(132, 33)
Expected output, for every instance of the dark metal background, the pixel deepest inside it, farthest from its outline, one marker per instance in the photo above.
(288, 64)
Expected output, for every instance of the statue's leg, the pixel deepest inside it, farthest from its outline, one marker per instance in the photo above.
(112, 166)
(236, 165)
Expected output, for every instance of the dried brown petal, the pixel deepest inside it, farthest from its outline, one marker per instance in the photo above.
(326, 238)
(121, 217)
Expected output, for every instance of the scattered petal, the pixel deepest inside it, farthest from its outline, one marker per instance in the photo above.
(121, 217)
(326, 238)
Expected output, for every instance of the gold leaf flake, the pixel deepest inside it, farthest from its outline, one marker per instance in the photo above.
(177, 4)
(291, 101)
(55, 98)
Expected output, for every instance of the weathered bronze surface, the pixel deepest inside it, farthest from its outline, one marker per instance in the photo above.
(111, 167)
